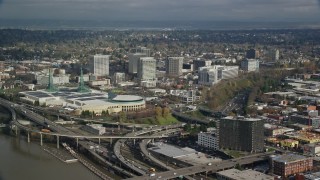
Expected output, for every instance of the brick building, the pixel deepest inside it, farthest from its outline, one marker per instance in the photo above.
(290, 164)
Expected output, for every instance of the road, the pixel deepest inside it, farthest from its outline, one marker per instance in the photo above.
(226, 164)
(134, 167)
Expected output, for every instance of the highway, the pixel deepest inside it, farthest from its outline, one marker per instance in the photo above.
(134, 167)
(42, 121)
(214, 167)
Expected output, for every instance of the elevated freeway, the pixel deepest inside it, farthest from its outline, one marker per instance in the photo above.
(118, 144)
(205, 168)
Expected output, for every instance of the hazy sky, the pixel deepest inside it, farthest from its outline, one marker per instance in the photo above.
(215, 10)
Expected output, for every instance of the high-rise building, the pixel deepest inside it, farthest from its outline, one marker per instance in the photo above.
(147, 68)
(250, 65)
(197, 63)
(119, 77)
(276, 55)
(252, 54)
(99, 65)
(144, 50)
(133, 61)
(174, 66)
(243, 134)
(213, 74)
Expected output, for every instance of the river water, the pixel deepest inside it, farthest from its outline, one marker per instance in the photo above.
(20, 160)
(27, 161)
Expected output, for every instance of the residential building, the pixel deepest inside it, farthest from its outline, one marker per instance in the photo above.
(243, 134)
(250, 65)
(290, 164)
(133, 62)
(174, 66)
(208, 140)
(99, 64)
(249, 174)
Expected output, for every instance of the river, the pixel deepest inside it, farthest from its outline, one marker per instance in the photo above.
(20, 160)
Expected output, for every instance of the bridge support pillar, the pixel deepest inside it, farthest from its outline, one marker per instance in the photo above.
(99, 141)
(16, 130)
(134, 141)
(152, 141)
(77, 142)
(41, 142)
(110, 142)
(58, 143)
(28, 137)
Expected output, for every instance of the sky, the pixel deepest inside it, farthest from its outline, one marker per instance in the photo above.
(163, 10)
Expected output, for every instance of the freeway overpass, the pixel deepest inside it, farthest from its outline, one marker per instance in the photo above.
(214, 167)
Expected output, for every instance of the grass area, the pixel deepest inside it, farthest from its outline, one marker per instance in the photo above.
(154, 120)
(168, 120)
(270, 149)
(196, 114)
(235, 154)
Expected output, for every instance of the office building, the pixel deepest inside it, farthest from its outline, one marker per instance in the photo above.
(312, 149)
(243, 134)
(213, 74)
(144, 50)
(198, 63)
(252, 54)
(146, 68)
(119, 77)
(250, 65)
(174, 66)
(290, 164)
(134, 60)
(99, 65)
(208, 140)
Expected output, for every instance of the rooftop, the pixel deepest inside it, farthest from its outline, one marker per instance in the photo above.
(248, 174)
(171, 151)
(286, 158)
(127, 98)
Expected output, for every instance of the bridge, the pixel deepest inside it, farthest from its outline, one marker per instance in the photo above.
(205, 168)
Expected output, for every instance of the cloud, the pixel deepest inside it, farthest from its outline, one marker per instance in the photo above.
(267, 10)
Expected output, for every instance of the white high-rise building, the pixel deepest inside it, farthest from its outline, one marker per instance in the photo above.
(119, 77)
(133, 61)
(276, 55)
(147, 68)
(250, 65)
(174, 66)
(213, 74)
(99, 65)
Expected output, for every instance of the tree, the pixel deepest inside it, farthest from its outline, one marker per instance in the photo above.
(158, 111)
(122, 116)
(166, 112)
(187, 127)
